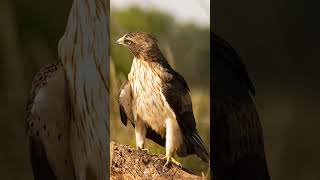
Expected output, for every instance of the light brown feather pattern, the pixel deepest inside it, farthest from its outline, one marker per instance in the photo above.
(48, 118)
(149, 106)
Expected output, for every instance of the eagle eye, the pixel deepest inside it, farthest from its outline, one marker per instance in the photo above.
(127, 42)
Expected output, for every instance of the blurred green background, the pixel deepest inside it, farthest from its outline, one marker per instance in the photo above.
(186, 47)
(279, 43)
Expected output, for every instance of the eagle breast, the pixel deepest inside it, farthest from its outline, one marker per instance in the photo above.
(148, 104)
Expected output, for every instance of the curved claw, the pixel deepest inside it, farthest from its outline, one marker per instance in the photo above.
(143, 149)
(171, 159)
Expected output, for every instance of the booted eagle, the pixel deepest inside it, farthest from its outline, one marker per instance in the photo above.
(156, 100)
(238, 148)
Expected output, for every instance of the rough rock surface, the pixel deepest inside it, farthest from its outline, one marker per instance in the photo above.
(128, 164)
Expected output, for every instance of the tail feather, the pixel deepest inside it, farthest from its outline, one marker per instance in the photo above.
(198, 146)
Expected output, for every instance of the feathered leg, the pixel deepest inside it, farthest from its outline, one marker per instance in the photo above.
(173, 141)
(140, 131)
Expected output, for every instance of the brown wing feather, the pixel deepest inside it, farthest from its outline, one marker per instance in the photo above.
(40, 164)
(47, 123)
(125, 99)
(238, 149)
(176, 93)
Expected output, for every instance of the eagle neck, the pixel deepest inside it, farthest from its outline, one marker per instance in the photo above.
(84, 47)
(86, 33)
(153, 54)
(141, 70)
(84, 53)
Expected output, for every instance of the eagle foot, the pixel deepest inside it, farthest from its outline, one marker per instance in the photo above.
(143, 149)
(171, 159)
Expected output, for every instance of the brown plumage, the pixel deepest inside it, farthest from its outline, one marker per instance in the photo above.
(47, 126)
(156, 100)
(238, 147)
(68, 107)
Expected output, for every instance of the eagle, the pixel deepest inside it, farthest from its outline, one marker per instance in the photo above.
(67, 119)
(238, 147)
(156, 100)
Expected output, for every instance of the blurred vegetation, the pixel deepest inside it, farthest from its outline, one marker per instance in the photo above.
(187, 48)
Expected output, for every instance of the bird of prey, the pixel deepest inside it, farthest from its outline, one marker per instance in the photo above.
(68, 108)
(156, 100)
(238, 147)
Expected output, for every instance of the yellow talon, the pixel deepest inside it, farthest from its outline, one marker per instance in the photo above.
(144, 149)
(164, 157)
(176, 162)
(171, 159)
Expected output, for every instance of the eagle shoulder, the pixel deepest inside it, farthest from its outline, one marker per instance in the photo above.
(223, 50)
(238, 142)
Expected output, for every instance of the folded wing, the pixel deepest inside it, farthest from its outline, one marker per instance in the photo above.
(47, 124)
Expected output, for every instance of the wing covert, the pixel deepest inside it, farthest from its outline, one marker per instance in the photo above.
(125, 99)
(47, 125)
(237, 133)
(176, 93)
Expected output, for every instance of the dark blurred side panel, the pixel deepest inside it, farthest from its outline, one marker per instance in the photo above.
(29, 33)
(278, 41)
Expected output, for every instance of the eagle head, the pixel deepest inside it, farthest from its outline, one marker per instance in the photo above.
(142, 45)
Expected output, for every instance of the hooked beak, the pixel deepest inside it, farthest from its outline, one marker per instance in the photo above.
(120, 41)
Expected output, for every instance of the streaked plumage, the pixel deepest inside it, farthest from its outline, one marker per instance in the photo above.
(48, 122)
(238, 147)
(68, 109)
(156, 100)
(125, 98)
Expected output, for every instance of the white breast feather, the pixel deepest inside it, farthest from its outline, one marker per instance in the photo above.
(148, 102)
